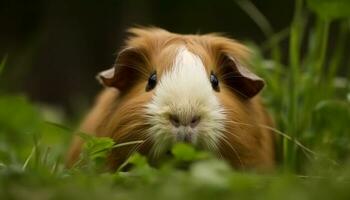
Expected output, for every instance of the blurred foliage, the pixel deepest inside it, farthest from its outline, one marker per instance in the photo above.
(308, 96)
(330, 9)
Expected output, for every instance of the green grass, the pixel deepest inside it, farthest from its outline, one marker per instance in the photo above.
(308, 95)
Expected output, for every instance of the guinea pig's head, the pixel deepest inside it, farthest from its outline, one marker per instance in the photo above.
(183, 88)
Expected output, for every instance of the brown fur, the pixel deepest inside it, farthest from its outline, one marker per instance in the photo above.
(120, 114)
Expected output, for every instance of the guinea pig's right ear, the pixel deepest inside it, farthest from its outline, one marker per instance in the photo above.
(240, 78)
(126, 70)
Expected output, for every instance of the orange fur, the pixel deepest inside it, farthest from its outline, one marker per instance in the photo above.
(121, 115)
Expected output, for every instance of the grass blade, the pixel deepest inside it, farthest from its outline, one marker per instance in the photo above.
(294, 61)
(3, 63)
(254, 13)
(24, 167)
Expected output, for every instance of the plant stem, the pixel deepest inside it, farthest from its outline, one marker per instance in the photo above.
(294, 61)
(337, 56)
(323, 30)
(254, 13)
(3, 63)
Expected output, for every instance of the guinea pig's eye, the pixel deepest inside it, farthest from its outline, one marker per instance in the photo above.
(214, 82)
(152, 81)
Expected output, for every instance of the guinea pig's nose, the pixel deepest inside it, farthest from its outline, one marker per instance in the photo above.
(176, 121)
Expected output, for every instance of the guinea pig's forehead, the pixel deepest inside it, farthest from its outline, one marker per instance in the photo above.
(169, 56)
(164, 58)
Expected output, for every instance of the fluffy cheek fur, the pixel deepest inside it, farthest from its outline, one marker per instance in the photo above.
(127, 122)
(243, 143)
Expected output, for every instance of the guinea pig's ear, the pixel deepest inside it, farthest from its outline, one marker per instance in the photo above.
(126, 70)
(240, 78)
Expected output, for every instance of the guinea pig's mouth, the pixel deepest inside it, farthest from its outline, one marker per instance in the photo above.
(168, 153)
(185, 137)
(163, 148)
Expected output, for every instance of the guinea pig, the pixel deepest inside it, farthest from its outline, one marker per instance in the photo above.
(166, 88)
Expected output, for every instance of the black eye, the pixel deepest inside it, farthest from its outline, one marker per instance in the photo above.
(152, 82)
(214, 82)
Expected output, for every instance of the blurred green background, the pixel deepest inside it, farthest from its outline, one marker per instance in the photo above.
(55, 48)
(50, 52)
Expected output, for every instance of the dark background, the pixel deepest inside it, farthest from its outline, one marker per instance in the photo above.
(55, 48)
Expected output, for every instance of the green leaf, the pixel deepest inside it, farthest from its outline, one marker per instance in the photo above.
(97, 147)
(330, 9)
(138, 160)
(184, 152)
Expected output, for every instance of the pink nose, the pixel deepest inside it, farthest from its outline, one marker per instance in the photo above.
(177, 122)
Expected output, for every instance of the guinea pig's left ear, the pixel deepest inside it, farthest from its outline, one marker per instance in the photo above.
(126, 71)
(106, 77)
(240, 78)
